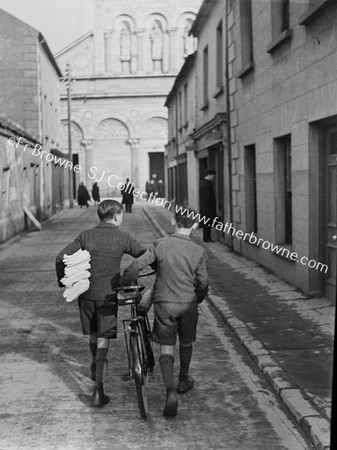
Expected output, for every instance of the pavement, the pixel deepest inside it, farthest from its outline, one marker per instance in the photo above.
(288, 335)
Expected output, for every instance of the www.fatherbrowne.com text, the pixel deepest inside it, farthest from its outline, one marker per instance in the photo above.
(152, 198)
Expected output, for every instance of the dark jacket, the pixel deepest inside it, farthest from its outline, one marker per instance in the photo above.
(82, 195)
(95, 192)
(207, 199)
(106, 245)
(127, 191)
(180, 267)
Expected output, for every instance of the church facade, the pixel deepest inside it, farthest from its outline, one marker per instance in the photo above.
(122, 72)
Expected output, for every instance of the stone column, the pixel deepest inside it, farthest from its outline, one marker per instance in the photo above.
(140, 50)
(134, 144)
(88, 145)
(108, 51)
(172, 50)
(99, 52)
(166, 52)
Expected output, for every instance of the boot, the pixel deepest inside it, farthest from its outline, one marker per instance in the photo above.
(98, 398)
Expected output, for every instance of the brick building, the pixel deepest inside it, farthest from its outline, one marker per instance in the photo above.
(277, 175)
(29, 101)
(124, 70)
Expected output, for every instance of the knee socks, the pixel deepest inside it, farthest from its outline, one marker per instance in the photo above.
(185, 354)
(167, 369)
(93, 350)
(101, 363)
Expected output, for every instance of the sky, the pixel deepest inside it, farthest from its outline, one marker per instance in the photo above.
(60, 21)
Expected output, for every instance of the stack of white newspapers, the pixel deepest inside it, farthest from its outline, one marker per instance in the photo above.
(76, 274)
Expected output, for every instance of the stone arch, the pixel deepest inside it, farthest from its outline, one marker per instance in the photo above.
(76, 134)
(157, 43)
(111, 157)
(155, 128)
(111, 129)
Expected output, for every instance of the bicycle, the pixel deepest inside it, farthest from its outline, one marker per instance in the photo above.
(138, 341)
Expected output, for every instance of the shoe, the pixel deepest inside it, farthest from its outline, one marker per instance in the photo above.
(171, 404)
(98, 398)
(93, 371)
(209, 240)
(185, 385)
(126, 376)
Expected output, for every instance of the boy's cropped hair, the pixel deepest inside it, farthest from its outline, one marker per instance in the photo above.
(185, 216)
(107, 209)
(210, 172)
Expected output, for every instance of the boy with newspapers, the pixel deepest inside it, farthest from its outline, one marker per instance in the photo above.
(96, 255)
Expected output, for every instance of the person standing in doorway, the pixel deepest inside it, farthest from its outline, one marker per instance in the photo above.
(207, 204)
(83, 195)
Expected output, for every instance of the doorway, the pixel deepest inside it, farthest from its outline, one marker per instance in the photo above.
(330, 198)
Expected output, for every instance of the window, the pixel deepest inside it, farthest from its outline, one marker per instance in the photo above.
(185, 106)
(283, 190)
(182, 197)
(316, 8)
(205, 79)
(172, 183)
(246, 31)
(180, 120)
(219, 59)
(280, 17)
(250, 188)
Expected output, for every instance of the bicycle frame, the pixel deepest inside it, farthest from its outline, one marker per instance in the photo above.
(138, 343)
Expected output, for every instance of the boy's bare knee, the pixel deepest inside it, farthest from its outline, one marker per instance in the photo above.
(166, 349)
(102, 343)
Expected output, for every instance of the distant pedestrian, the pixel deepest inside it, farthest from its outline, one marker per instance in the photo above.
(148, 189)
(127, 197)
(161, 189)
(95, 193)
(83, 195)
(207, 203)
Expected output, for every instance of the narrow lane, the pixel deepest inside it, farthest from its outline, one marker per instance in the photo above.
(45, 386)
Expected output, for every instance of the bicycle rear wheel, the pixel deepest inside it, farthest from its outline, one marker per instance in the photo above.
(139, 373)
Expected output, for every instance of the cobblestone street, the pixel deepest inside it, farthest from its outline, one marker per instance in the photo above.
(45, 384)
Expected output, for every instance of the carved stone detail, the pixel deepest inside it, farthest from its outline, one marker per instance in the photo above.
(111, 129)
(155, 128)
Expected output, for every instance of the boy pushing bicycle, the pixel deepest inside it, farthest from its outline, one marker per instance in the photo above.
(181, 284)
(98, 305)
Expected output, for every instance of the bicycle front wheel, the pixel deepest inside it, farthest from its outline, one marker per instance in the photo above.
(139, 373)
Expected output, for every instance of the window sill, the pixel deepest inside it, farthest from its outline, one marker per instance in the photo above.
(314, 11)
(246, 70)
(204, 107)
(282, 37)
(219, 92)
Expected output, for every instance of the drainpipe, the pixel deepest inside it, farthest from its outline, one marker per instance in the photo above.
(229, 145)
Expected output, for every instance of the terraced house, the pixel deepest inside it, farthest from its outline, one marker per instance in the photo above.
(263, 83)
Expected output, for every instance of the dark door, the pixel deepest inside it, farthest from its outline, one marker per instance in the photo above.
(331, 211)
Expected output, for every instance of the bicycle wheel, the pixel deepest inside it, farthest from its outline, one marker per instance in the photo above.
(139, 372)
(150, 362)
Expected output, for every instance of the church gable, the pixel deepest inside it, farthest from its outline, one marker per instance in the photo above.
(79, 55)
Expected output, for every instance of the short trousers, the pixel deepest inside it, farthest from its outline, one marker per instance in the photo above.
(99, 317)
(172, 319)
